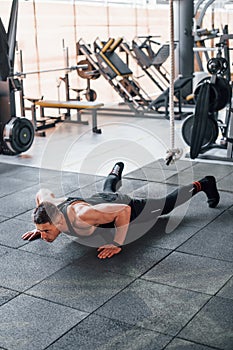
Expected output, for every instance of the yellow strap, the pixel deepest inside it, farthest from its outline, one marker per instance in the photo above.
(107, 45)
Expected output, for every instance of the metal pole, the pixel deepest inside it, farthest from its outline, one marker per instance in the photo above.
(183, 33)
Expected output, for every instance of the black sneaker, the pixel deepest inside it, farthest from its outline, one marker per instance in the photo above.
(117, 169)
(208, 185)
(113, 180)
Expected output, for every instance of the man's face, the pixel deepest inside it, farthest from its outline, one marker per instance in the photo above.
(49, 232)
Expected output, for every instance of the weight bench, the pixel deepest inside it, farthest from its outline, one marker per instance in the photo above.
(77, 105)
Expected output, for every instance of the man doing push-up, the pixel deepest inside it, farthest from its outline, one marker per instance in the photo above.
(80, 217)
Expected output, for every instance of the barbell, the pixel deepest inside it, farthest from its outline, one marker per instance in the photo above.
(68, 69)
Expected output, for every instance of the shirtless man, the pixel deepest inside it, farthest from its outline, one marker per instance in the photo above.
(80, 217)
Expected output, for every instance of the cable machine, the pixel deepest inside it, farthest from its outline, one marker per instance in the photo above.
(209, 131)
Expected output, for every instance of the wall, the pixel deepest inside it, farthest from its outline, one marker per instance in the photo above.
(42, 29)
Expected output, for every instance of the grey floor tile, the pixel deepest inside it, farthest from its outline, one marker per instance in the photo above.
(196, 212)
(211, 242)
(12, 230)
(214, 169)
(150, 174)
(21, 270)
(27, 216)
(191, 272)
(180, 344)
(45, 177)
(12, 171)
(131, 186)
(3, 218)
(73, 181)
(29, 323)
(212, 325)
(10, 185)
(223, 223)
(100, 333)
(19, 202)
(134, 260)
(161, 235)
(226, 184)
(64, 248)
(200, 170)
(6, 295)
(66, 182)
(227, 290)
(7, 168)
(81, 287)
(177, 166)
(152, 190)
(128, 187)
(4, 250)
(153, 306)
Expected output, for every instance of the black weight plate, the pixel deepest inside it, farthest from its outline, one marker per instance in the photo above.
(18, 135)
(211, 133)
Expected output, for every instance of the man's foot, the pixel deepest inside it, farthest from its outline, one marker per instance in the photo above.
(117, 169)
(208, 185)
(113, 181)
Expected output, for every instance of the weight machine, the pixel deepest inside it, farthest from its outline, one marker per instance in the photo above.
(119, 75)
(149, 60)
(16, 133)
(104, 60)
(213, 94)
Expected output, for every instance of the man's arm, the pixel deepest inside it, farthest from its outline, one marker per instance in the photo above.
(103, 214)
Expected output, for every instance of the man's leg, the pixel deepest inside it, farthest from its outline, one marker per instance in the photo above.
(113, 180)
(183, 194)
(152, 207)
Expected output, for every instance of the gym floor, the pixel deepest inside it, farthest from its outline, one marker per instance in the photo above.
(170, 289)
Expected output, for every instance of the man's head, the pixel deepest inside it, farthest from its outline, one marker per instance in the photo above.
(47, 218)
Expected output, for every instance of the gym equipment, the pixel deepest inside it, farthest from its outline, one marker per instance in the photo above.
(43, 122)
(91, 72)
(120, 77)
(200, 131)
(77, 105)
(163, 99)
(16, 133)
(200, 39)
(202, 35)
(68, 69)
(150, 61)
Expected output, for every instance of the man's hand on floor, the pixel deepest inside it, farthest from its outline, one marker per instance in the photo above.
(108, 250)
(30, 235)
